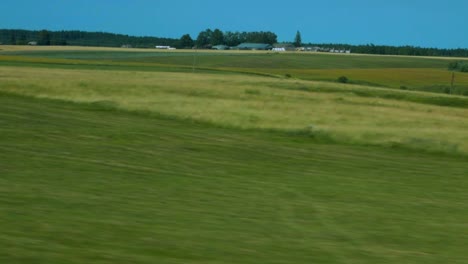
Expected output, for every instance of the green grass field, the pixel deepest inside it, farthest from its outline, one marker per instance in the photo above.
(398, 72)
(116, 160)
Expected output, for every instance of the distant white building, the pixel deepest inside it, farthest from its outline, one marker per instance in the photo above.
(285, 46)
(340, 51)
(313, 49)
(165, 47)
(32, 43)
(220, 47)
(279, 49)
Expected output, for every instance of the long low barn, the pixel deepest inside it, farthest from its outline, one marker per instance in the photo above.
(254, 46)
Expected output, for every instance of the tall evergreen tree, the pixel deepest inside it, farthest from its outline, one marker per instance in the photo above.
(298, 39)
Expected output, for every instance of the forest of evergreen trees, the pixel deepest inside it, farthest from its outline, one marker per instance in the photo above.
(205, 39)
(80, 38)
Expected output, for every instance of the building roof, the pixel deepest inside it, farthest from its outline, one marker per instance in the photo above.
(255, 46)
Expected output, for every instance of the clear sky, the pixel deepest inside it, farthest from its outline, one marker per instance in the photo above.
(427, 23)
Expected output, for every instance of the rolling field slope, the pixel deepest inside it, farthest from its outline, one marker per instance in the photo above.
(139, 157)
(84, 183)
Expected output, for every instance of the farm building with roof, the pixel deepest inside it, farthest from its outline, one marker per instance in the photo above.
(254, 46)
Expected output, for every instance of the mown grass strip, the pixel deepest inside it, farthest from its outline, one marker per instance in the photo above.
(85, 183)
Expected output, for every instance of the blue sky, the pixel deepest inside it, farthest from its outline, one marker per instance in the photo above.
(428, 23)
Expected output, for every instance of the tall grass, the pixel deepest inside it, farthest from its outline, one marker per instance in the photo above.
(348, 114)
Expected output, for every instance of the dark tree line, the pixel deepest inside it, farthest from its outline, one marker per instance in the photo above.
(80, 38)
(209, 38)
(205, 39)
(396, 50)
